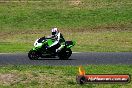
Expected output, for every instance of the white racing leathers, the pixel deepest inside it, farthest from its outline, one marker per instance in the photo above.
(58, 40)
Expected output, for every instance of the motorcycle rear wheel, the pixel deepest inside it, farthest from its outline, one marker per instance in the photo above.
(64, 54)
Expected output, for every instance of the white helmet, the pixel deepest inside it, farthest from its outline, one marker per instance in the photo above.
(55, 31)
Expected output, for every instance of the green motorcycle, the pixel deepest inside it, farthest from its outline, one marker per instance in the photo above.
(41, 50)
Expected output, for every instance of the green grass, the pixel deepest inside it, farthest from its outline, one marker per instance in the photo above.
(57, 76)
(64, 14)
(96, 25)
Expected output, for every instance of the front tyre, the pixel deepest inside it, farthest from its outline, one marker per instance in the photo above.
(64, 54)
(33, 55)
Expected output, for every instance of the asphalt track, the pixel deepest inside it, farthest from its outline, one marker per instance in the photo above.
(75, 59)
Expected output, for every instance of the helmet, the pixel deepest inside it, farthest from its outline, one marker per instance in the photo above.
(55, 31)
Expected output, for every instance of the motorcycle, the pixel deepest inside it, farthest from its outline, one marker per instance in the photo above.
(41, 49)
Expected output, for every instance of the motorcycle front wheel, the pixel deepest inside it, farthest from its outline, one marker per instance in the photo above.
(33, 55)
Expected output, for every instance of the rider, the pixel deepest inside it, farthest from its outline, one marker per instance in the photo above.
(58, 40)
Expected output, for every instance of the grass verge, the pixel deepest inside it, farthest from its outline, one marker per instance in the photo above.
(57, 76)
(86, 41)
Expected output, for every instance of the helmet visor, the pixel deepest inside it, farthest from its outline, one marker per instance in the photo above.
(53, 33)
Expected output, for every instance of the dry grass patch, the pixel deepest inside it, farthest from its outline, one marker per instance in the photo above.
(9, 78)
(75, 2)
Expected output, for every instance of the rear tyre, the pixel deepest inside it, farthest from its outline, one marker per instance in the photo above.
(64, 54)
(33, 55)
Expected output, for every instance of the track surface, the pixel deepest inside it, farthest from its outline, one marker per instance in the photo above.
(75, 59)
